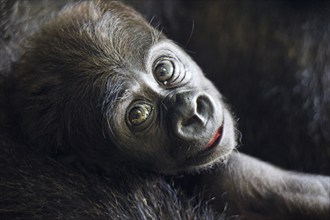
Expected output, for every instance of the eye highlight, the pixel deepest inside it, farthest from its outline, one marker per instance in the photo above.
(164, 71)
(139, 114)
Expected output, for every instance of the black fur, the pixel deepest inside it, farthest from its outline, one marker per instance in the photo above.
(35, 187)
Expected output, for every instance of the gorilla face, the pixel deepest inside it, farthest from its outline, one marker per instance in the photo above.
(99, 83)
(171, 117)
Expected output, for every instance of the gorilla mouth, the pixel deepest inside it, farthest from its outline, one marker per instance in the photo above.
(215, 138)
(201, 156)
(211, 145)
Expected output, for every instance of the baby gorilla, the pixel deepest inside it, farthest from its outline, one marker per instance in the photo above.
(100, 83)
(97, 84)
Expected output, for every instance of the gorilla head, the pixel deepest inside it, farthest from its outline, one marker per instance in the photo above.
(99, 83)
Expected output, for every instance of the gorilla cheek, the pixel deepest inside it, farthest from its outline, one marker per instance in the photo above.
(228, 141)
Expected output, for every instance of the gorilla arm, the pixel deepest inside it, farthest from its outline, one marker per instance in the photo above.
(255, 189)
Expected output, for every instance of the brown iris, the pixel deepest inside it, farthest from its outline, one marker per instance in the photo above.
(139, 114)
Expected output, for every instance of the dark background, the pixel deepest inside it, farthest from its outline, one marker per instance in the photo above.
(271, 60)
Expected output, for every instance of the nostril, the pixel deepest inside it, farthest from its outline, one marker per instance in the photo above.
(198, 114)
(203, 105)
(192, 111)
(190, 121)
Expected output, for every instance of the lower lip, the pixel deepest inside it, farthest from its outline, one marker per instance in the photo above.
(216, 138)
(209, 148)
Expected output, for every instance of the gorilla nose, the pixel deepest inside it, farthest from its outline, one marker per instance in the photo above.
(191, 112)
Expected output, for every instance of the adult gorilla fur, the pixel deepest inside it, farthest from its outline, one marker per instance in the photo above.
(35, 187)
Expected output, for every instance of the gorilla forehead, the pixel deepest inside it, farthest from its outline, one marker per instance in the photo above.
(94, 38)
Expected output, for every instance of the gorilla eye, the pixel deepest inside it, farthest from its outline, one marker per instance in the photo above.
(139, 114)
(164, 71)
